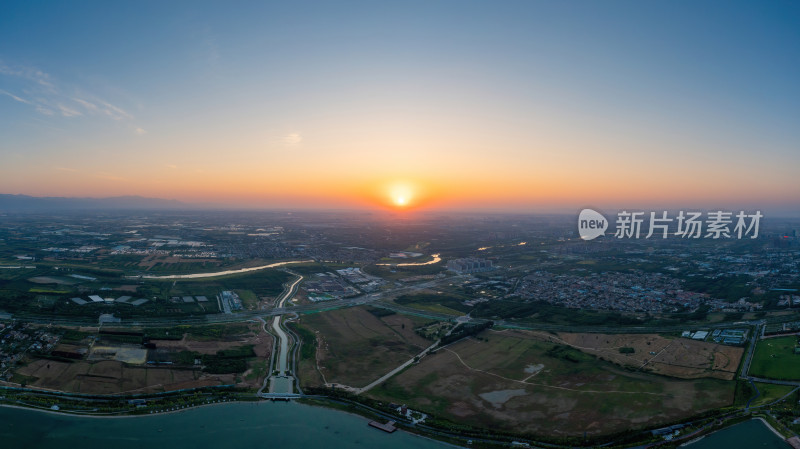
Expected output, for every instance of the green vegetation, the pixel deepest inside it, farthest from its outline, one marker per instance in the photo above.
(769, 393)
(727, 287)
(744, 391)
(249, 299)
(73, 336)
(309, 347)
(258, 370)
(48, 290)
(428, 299)
(626, 350)
(198, 332)
(466, 331)
(357, 346)
(548, 313)
(568, 354)
(775, 358)
(379, 312)
(115, 338)
(225, 361)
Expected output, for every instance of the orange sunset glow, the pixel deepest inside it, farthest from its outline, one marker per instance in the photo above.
(374, 116)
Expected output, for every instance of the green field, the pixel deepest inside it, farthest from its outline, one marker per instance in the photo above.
(356, 346)
(447, 304)
(774, 358)
(249, 299)
(769, 393)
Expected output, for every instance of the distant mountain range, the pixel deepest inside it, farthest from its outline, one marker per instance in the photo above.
(20, 203)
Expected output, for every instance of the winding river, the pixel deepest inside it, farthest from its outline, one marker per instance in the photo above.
(219, 273)
(436, 259)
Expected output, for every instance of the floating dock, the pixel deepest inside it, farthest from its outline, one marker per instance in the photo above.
(388, 427)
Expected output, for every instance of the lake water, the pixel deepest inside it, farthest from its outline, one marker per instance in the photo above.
(752, 434)
(234, 425)
(261, 425)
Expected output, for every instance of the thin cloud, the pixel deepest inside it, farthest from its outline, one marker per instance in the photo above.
(91, 107)
(172, 166)
(67, 111)
(115, 112)
(140, 131)
(21, 100)
(50, 98)
(28, 73)
(293, 139)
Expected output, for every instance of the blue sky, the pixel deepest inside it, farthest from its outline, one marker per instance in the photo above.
(151, 97)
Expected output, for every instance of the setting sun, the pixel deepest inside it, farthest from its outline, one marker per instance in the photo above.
(401, 194)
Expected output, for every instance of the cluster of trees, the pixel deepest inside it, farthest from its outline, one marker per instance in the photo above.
(308, 347)
(225, 361)
(466, 331)
(549, 313)
(379, 312)
(565, 353)
(730, 287)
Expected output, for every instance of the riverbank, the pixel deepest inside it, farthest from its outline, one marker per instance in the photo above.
(769, 426)
(747, 434)
(116, 415)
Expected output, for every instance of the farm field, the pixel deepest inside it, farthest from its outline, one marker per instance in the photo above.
(675, 357)
(355, 347)
(111, 368)
(113, 377)
(515, 381)
(774, 358)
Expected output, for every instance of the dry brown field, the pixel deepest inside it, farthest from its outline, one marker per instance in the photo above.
(520, 382)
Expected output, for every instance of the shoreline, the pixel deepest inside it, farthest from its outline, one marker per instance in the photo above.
(365, 419)
(120, 415)
(769, 426)
(754, 418)
(315, 402)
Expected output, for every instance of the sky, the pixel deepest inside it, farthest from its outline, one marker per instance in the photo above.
(527, 106)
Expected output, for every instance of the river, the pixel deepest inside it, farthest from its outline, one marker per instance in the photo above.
(220, 273)
(223, 426)
(436, 259)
